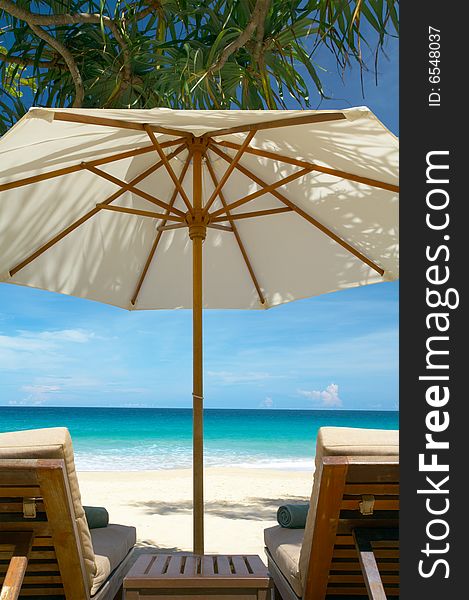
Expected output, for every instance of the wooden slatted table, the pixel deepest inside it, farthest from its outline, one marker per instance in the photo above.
(193, 577)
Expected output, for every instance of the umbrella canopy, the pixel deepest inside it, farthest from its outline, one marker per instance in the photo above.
(115, 206)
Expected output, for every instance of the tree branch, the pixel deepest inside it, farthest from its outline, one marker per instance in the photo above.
(256, 22)
(260, 34)
(69, 19)
(69, 60)
(28, 62)
(153, 5)
(28, 18)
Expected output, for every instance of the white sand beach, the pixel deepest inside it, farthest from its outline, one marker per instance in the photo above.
(239, 504)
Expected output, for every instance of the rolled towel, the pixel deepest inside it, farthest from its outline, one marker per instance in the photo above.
(97, 516)
(292, 516)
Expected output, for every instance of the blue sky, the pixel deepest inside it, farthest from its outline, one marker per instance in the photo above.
(334, 351)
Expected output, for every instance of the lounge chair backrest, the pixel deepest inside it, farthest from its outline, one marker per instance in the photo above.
(346, 457)
(52, 449)
(38, 532)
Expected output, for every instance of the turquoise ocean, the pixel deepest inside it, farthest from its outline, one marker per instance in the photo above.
(128, 439)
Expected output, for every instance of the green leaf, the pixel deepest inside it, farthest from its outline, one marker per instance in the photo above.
(173, 48)
(393, 14)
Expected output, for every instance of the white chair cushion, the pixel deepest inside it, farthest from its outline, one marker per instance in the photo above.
(285, 546)
(111, 545)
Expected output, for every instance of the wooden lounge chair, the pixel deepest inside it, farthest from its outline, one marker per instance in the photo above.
(349, 546)
(46, 547)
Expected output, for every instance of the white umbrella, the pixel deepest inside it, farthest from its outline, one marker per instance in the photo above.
(115, 205)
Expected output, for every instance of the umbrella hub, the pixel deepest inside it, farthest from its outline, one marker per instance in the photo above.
(198, 144)
(197, 223)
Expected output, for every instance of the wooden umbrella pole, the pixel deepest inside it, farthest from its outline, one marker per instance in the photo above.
(197, 232)
(197, 399)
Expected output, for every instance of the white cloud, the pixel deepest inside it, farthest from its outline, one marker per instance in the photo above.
(20, 343)
(39, 340)
(76, 381)
(267, 403)
(40, 389)
(17, 353)
(327, 356)
(25, 402)
(228, 377)
(328, 398)
(79, 336)
(117, 388)
(38, 393)
(39, 349)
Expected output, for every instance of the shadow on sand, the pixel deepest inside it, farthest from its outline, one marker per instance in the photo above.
(253, 509)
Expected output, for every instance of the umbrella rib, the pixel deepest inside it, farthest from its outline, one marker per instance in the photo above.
(105, 122)
(229, 170)
(220, 227)
(267, 189)
(87, 216)
(304, 214)
(128, 187)
(159, 234)
(301, 163)
(256, 213)
(168, 167)
(236, 233)
(175, 226)
(286, 122)
(140, 213)
(79, 167)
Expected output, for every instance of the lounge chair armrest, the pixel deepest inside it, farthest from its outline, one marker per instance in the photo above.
(21, 544)
(363, 541)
